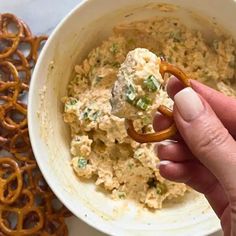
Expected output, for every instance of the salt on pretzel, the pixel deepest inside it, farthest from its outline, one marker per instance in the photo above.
(165, 67)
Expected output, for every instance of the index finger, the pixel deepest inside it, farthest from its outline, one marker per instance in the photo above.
(223, 106)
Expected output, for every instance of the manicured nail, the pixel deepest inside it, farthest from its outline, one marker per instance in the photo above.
(162, 144)
(163, 163)
(189, 104)
(172, 77)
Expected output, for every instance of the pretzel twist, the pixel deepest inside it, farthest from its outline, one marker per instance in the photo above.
(7, 36)
(24, 192)
(30, 219)
(10, 180)
(170, 131)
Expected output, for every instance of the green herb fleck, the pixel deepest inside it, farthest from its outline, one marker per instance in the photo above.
(82, 163)
(89, 115)
(98, 79)
(161, 188)
(170, 59)
(130, 94)
(114, 48)
(71, 102)
(145, 121)
(232, 64)
(177, 36)
(130, 165)
(175, 48)
(116, 64)
(94, 116)
(151, 83)
(143, 103)
(215, 44)
(121, 195)
(85, 115)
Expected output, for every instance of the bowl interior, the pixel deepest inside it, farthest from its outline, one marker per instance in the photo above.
(83, 29)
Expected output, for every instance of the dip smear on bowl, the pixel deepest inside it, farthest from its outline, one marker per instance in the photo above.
(100, 146)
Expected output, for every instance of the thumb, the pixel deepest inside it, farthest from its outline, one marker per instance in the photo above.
(207, 138)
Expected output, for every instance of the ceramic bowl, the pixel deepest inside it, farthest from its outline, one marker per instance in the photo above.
(81, 30)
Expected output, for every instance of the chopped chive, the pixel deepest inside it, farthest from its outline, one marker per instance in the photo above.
(215, 44)
(85, 115)
(175, 48)
(89, 115)
(232, 64)
(72, 102)
(130, 166)
(177, 36)
(121, 195)
(161, 188)
(143, 103)
(98, 79)
(130, 94)
(94, 116)
(82, 163)
(151, 83)
(114, 48)
(116, 64)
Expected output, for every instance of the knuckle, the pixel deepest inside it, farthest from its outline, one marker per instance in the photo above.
(212, 137)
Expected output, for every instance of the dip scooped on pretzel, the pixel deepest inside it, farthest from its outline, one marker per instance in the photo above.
(139, 92)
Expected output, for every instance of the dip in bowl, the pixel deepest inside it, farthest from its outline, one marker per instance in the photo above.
(81, 31)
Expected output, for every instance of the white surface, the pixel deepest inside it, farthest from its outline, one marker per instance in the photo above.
(42, 16)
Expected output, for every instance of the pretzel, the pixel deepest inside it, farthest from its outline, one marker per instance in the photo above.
(30, 219)
(23, 35)
(10, 180)
(20, 146)
(54, 226)
(170, 131)
(12, 87)
(35, 45)
(23, 190)
(22, 66)
(5, 35)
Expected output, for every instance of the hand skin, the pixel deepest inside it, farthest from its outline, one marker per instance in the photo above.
(204, 156)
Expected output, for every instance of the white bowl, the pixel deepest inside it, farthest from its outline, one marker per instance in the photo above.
(76, 35)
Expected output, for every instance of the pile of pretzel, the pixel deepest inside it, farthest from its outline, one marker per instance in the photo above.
(27, 205)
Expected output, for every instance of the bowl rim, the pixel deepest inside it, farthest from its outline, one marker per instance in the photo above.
(50, 182)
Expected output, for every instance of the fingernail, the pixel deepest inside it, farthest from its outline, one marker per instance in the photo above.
(189, 104)
(163, 144)
(172, 77)
(163, 163)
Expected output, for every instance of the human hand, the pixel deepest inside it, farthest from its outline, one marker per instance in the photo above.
(205, 155)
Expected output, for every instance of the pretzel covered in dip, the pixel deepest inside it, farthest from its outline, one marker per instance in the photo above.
(137, 93)
(26, 202)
